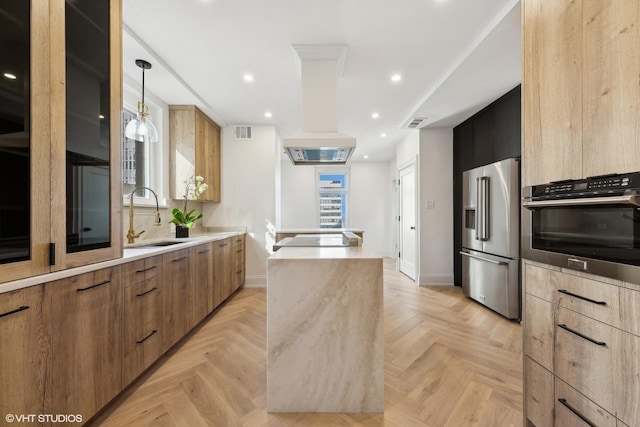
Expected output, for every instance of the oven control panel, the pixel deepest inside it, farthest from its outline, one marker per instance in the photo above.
(589, 187)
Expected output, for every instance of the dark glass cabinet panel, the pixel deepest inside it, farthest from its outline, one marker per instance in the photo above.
(87, 124)
(15, 141)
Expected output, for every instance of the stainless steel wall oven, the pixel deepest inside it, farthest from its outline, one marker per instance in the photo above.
(591, 225)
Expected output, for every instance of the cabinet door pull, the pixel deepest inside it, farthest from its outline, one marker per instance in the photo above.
(147, 337)
(576, 412)
(93, 286)
(179, 259)
(17, 310)
(564, 291)
(204, 251)
(239, 272)
(146, 269)
(146, 292)
(566, 328)
(238, 251)
(222, 244)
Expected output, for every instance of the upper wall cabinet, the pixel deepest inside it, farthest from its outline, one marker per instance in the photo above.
(581, 103)
(60, 105)
(195, 150)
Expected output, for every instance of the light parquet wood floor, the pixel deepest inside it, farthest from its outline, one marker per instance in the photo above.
(448, 362)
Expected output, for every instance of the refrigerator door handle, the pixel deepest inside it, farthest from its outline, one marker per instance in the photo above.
(484, 218)
(483, 258)
(479, 210)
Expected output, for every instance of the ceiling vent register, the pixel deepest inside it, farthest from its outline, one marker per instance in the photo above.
(243, 133)
(416, 122)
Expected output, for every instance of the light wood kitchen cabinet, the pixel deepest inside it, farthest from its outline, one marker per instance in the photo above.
(24, 352)
(177, 296)
(581, 104)
(551, 91)
(611, 131)
(595, 357)
(573, 409)
(66, 139)
(238, 262)
(84, 321)
(222, 270)
(539, 394)
(195, 150)
(203, 256)
(142, 316)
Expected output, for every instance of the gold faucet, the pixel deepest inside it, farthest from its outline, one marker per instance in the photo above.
(132, 235)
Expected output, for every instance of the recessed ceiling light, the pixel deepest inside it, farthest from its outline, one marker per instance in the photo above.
(383, 135)
(366, 156)
(375, 115)
(248, 77)
(268, 114)
(10, 76)
(396, 78)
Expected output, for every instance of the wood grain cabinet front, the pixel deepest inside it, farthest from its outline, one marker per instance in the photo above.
(222, 270)
(238, 262)
(538, 394)
(195, 149)
(203, 256)
(142, 316)
(84, 321)
(24, 352)
(177, 297)
(573, 409)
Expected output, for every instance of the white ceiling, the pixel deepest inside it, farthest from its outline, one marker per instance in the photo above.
(455, 57)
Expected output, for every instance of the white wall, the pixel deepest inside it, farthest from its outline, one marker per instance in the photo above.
(248, 193)
(369, 200)
(408, 148)
(436, 205)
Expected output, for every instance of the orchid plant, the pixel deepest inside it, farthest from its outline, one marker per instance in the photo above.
(194, 187)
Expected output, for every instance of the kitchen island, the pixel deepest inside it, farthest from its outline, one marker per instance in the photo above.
(325, 330)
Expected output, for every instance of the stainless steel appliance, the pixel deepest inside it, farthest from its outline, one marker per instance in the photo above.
(590, 225)
(491, 236)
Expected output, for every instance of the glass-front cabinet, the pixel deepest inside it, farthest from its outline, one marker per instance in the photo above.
(60, 102)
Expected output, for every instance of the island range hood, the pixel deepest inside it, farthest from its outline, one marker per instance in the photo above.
(319, 143)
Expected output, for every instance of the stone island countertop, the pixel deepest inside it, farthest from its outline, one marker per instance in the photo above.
(325, 330)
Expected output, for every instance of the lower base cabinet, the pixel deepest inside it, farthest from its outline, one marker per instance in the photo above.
(177, 298)
(24, 351)
(70, 346)
(582, 349)
(84, 317)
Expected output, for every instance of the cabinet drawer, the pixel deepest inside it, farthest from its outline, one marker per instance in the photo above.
(585, 356)
(142, 305)
(572, 409)
(590, 298)
(539, 325)
(538, 282)
(142, 269)
(538, 394)
(141, 351)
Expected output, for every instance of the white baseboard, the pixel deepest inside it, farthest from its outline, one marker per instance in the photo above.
(255, 282)
(436, 279)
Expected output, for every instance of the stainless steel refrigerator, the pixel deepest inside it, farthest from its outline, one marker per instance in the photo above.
(491, 236)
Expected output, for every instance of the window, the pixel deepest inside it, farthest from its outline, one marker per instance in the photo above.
(333, 188)
(142, 161)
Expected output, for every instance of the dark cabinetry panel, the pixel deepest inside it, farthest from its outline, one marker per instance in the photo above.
(491, 135)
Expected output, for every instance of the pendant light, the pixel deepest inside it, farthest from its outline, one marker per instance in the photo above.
(141, 128)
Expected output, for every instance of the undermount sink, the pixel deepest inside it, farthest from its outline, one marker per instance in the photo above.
(168, 243)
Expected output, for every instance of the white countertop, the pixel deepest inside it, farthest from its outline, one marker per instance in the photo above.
(349, 252)
(133, 252)
(319, 230)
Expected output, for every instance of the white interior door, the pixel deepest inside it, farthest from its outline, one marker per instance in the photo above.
(407, 178)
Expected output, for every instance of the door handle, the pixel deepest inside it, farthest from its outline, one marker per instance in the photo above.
(484, 190)
(483, 258)
(413, 227)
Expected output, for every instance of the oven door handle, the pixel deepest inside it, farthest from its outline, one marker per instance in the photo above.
(631, 199)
